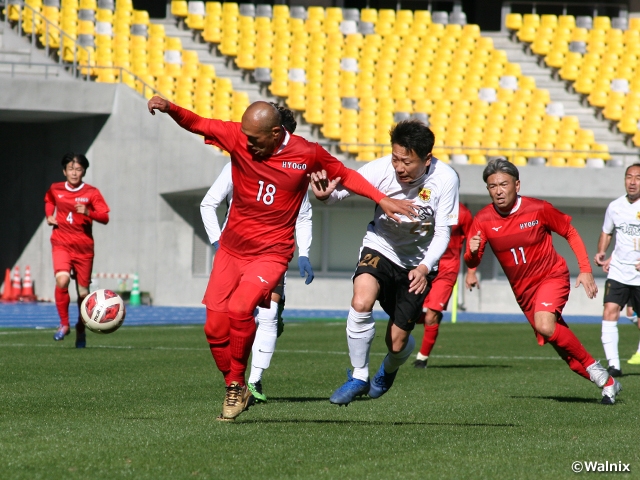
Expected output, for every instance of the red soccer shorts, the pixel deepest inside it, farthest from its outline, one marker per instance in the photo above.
(65, 259)
(228, 272)
(551, 296)
(440, 293)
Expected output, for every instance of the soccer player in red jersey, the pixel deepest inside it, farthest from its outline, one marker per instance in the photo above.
(438, 298)
(518, 229)
(269, 169)
(71, 207)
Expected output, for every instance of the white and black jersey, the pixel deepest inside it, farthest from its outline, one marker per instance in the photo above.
(624, 218)
(222, 189)
(412, 241)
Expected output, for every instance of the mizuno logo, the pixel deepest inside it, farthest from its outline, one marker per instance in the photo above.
(546, 304)
(60, 196)
(496, 228)
(262, 279)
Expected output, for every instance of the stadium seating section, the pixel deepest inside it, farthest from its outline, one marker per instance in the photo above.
(596, 56)
(354, 73)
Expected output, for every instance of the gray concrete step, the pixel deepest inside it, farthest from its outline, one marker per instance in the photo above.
(558, 92)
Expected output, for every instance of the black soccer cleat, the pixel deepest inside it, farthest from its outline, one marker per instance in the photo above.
(420, 364)
(614, 372)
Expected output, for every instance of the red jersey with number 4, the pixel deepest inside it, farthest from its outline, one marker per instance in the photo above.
(523, 244)
(267, 192)
(74, 229)
(450, 260)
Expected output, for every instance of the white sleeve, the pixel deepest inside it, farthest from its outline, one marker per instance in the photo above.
(214, 197)
(446, 215)
(372, 172)
(304, 227)
(608, 226)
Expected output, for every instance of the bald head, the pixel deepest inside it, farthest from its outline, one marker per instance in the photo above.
(262, 114)
(261, 125)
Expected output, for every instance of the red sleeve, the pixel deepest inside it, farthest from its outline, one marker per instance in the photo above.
(465, 221)
(556, 220)
(99, 210)
(215, 132)
(49, 203)
(473, 261)
(577, 245)
(351, 179)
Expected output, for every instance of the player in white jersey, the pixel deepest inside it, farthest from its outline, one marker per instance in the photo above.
(269, 320)
(398, 261)
(623, 277)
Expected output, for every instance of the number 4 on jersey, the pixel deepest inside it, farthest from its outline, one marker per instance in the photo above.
(70, 217)
(269, 193)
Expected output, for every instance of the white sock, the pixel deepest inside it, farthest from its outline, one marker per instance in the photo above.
(265, 343)
(361, 330)
(422, 357)
(393, 361)
(610, 343)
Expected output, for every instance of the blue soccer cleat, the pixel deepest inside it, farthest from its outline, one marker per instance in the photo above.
(81, 340)
(351, 389)
(382, 382)
(61, 333)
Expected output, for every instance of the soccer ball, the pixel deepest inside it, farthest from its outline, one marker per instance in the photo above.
(102, 311)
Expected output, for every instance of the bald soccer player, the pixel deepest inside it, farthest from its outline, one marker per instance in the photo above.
(269, 168)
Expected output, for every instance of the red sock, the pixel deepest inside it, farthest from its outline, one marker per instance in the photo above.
(62, 304)
(571, 350)
(242, 325)
(216, 329)
(429, 338)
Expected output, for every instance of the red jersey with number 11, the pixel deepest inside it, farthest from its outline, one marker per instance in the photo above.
(74, 229)
(523, 244)
(267, 192)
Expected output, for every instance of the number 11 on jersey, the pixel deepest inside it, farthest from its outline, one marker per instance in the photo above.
(515, 255)
(269, 193)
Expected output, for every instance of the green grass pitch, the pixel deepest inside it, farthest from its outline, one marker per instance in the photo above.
(142, 402)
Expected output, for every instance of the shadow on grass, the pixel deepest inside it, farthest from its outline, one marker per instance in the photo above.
(298, 399)
(469, 366)
(378, 422)
(561, 399)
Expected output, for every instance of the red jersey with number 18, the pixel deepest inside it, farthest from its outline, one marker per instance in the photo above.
(523, 244)
(74, 230)
(267, 192)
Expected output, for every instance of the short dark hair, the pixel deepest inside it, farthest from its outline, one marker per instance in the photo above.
(413, 135)
(79, 158)
(287, 118)
(631, 166)
(500, 165)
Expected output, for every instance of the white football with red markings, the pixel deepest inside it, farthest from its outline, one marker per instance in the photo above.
(102, 311)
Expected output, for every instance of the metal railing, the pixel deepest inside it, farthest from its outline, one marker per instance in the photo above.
(75, 66)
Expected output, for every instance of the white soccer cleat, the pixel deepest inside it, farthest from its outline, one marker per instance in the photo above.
(598, 374)
(609, 393)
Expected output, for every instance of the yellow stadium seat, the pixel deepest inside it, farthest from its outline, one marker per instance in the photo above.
(179, 9)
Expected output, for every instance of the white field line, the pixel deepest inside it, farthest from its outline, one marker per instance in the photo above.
(306, 352)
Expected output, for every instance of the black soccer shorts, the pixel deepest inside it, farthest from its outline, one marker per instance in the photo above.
(403, 308)
(621, 294)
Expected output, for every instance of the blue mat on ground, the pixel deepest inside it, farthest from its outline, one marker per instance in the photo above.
(45, 315)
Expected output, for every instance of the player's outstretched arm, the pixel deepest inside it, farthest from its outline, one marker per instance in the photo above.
(585, 278)
(603, 244)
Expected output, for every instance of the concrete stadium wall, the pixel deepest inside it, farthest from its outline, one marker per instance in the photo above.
(153, 175)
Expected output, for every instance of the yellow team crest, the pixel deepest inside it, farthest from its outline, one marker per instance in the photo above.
(637, 215)
(425, 194)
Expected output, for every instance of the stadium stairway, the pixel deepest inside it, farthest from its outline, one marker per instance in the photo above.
(18, 56)
(235, 75)
(571, 101)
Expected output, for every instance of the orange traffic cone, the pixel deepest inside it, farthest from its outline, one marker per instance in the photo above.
(27, 287)
(7, 294)
(17, 284)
